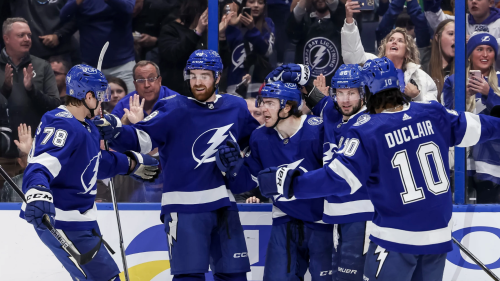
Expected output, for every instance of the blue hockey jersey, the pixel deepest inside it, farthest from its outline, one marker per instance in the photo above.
(302, 150)
(66, 157)
(187, 134)
(402, 157)
(484, 159)
(349, 208)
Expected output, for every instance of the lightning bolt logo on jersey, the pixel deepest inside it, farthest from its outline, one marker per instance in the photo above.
(216, 137)
(238, 56)
(89, 175)
(321, 55)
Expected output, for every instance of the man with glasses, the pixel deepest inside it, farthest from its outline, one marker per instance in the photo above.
(147, 82)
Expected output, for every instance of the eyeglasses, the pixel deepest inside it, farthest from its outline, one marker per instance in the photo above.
(150, 80)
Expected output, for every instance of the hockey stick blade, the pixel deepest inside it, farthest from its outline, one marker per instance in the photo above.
(476, 260)
(68, 246)
(101, 55)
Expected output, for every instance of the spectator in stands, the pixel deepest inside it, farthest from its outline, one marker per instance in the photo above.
(179, 39)
(397, 46)
(7, 193)
(50, 36)
(60, 65)
(5, 130)
(317, 35)
(250, 41)
(279, 11)
(28, 82)
(101, 21)
(442, 55)
(148, 23)
(482, 95)
(148, 86)
(422, 32)
(118, 90)
(255, 111)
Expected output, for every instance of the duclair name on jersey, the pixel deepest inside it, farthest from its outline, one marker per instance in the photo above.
(407, 133)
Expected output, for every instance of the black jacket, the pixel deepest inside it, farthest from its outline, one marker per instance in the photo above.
(318, 41)
(29, 106)
(43, 19)
(176, 43)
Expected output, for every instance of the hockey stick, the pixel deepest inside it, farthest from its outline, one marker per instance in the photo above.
(112, 183)
(66, 245)
(476, 260)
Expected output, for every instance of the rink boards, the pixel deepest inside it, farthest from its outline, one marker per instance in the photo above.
(24, 257)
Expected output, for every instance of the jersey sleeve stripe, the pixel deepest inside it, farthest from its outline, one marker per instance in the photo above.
(348, 208)
(144, 141)
(50, 162)
(473, 130)
(415, 238)
(343, 172)
(194, 197)
(75, 215)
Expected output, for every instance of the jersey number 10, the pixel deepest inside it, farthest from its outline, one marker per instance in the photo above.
(425, 152)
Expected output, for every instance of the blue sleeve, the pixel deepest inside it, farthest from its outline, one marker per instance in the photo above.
(491, 100)
(112, 164)
(118, 110)
(432, 5)
(343, 176)
(147, 134)
(233, 37)
(122, 6)
(468, 129)
(262, 42)
(319, 107)
(49, 153)
(389, 19)
(423, 32)
(68, 11)
(382, 8)
(448, 94)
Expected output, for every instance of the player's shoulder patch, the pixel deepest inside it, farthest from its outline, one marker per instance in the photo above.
(150, 116)
(169, 97)
(314, 121)
(362, 120)
(451, 111)
(64, 114)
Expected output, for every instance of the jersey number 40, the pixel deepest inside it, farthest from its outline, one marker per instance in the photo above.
(425, 153)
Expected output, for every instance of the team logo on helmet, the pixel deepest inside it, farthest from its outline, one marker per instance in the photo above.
(238, 56)
(291, 85)
(362, 119)
(89, 70)
(314, 121)
(321, 55)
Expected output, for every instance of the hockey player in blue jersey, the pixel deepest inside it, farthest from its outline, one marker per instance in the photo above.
(299, 239)
(198, 210)
(64, 164)
(399, 151)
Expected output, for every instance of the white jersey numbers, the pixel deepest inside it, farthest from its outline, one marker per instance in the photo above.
(426, 153)
(59, 136)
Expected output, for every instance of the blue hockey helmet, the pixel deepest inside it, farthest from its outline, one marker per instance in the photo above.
(379, 74)
(347, 76)
(282, 91)
(82, 79)
(204, 59)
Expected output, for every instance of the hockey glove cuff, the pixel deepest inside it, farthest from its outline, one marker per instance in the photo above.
(146, 167)
(39, 201)
(277, 181)
(228, 158)
(109, 126)
(274, 75)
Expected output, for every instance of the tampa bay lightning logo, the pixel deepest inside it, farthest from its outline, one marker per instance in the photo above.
(328, 152)
(89, 175)
(362, 119)
(238, 56)
(481, 28)
(205, 146)
(314, 121)
(321, 55)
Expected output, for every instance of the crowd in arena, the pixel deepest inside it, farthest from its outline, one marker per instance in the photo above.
(151, 40)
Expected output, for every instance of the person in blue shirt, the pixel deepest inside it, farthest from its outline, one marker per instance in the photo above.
(147, 81)
(198, 208)
(99, 22)
(399, 150)
(482, 95)
(64, 164)
(288, 138)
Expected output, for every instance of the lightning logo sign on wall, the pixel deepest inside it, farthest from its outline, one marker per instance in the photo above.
(205, 146)
(321, 55)
(238, 56)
